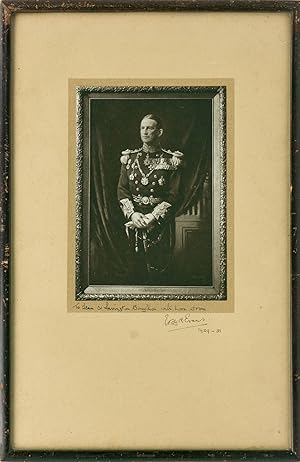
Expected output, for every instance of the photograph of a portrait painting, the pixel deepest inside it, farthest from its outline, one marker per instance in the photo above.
(151, 191)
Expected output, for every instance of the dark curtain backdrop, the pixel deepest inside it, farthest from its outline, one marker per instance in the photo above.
(115, 127)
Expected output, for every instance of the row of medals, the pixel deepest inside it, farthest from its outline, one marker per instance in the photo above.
(144, 179)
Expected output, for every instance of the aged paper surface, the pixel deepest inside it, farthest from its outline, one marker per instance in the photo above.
(93, 381)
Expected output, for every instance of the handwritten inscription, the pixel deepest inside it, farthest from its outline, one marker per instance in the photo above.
(171, 321)
(209, 331)
(188, 321)
(183, 322)
(108, 306)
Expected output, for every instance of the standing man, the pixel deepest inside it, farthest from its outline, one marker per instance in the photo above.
(148, 193)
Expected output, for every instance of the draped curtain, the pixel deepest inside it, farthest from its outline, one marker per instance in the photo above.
(195, 171)
(115, 127)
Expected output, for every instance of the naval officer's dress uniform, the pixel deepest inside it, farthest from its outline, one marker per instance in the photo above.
(149, 184)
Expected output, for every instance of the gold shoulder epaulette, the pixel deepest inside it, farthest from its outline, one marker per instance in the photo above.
(176, 158)
(125, 155)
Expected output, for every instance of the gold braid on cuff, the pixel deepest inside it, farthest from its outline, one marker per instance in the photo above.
(127, 207)
(160, 210)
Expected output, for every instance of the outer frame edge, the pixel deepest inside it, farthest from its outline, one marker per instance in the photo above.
(4, 225)
(9, 7)
(295, 223)
(146, 5)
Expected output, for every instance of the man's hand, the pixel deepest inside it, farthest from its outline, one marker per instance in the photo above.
(138, 220)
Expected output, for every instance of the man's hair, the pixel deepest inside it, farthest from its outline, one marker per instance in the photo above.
(156, 118)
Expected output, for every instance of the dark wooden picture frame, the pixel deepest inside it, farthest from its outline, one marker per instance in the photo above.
(9, 8)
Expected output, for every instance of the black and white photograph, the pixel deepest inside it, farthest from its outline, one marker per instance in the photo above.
(150, 198)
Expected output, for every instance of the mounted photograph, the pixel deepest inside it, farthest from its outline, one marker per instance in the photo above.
(150, 195)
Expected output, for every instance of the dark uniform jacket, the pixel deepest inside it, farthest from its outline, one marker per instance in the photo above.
(149, 182)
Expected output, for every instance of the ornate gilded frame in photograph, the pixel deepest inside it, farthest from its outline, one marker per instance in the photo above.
(186, 224)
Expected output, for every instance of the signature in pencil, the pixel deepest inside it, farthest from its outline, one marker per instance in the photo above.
(186, 321)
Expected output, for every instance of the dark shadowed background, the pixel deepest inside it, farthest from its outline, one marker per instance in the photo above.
(114, 126)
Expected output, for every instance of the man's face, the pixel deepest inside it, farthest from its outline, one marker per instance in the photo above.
(149, 131)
